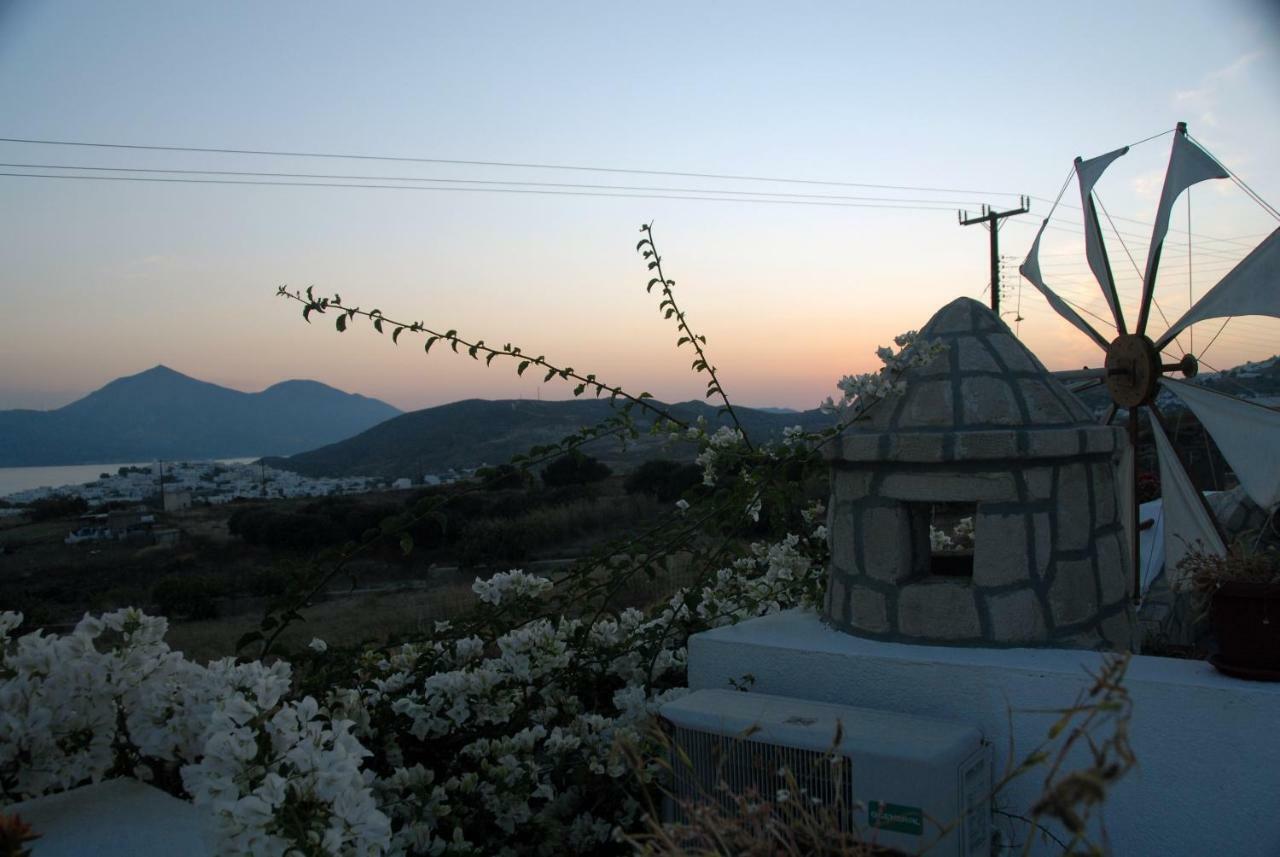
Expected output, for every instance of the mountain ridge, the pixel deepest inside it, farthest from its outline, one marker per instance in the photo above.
(163, 413)
(472, 432)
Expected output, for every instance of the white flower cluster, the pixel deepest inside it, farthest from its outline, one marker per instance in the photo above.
(857, 392)
(959, 538)
(506, 585)
(463, 745)
(714, 453)
(110, 698)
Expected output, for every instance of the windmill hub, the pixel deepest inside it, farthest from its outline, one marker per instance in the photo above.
(1133, 370)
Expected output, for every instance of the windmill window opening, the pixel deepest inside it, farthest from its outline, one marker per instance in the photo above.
(951, 538)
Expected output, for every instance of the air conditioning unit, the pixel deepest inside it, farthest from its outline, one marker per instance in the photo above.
(909, 783)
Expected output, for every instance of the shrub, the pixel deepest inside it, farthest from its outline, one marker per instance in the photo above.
(574, 469)
(503, 477)
(665, 479)
(189, 596)
(57, 506)
(269, 527)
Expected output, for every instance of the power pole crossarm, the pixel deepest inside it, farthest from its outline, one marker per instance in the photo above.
(991, 218)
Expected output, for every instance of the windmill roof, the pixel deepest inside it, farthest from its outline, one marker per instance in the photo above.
(987, 387)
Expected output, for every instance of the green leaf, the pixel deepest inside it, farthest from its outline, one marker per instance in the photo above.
(681, 341)
(430, 342)
(341, 323)
(489, 358)
(524, 364)
(306, 311)
(473, 351)
(406, 543)
(578, 390)
(247, 639)
(395, 334)
(377, 324)
(551, 373)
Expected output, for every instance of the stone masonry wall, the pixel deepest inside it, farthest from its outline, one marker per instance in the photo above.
(1051, 566)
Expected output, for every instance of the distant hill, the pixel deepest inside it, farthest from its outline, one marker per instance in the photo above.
(477, 431)
(161, 413)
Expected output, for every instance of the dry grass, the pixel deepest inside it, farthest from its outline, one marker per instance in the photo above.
(372, 618)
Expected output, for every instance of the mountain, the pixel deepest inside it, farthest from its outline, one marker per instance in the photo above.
(161, 413)
(477, 431)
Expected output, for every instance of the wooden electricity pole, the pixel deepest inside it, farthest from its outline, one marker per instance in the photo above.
(992, 219)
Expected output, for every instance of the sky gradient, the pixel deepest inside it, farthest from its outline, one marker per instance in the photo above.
(102, 279)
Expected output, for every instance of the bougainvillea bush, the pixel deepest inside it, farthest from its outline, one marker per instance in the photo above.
(457, 745)
(501, 732)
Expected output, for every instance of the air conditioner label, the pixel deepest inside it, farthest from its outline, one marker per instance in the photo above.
(895, 817)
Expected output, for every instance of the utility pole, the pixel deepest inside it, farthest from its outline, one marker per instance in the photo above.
(992, 219)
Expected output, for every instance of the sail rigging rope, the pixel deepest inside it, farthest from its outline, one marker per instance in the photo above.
(1191, 298)
(1266, 206)
(1216, 335)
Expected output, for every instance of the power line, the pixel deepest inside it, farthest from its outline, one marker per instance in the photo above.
(491, 182)
(544, 192)
(570, 167)
(505, 164)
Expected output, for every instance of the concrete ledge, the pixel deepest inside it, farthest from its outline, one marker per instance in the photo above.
(117, 818)
(1208, 746)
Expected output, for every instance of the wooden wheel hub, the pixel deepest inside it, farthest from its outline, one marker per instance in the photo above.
(1133, 370)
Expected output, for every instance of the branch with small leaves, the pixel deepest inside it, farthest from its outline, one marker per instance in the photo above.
(670, 309)
(476, 350)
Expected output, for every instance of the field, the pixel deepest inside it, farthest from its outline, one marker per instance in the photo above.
(231, 561)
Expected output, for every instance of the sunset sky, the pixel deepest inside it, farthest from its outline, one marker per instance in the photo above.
(972, 104)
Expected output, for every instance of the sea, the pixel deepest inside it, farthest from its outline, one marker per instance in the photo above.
(15, 479)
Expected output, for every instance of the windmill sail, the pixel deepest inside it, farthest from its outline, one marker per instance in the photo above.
(1250, 288)
(1188, 165)
(1088, 172)
(1030, 269)
(1248, 436)
(1187, 526)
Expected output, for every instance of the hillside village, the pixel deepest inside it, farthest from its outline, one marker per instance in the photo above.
(188, 483)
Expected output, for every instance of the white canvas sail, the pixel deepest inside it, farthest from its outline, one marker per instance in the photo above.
(1030, 268)
(1247, 434)
(1250, 288)
(1188, 165)
(1088, 172)
(1187, 526)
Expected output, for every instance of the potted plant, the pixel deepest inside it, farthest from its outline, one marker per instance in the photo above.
(1243, 592)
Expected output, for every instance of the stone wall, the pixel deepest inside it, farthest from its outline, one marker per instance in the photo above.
(1050, 564)
(983, 423)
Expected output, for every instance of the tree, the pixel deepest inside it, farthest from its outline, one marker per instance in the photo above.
(574, 468)
(665, 479)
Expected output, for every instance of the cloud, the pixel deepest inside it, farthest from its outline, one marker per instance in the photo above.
(1149, 184)
(1204, 98)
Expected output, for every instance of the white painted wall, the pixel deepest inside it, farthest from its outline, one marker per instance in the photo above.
(1208, 746)
(117, 818)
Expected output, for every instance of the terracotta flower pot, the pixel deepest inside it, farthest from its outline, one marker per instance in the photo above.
(1246, 621)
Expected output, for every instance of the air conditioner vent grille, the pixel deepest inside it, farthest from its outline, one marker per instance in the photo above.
(721, 769)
